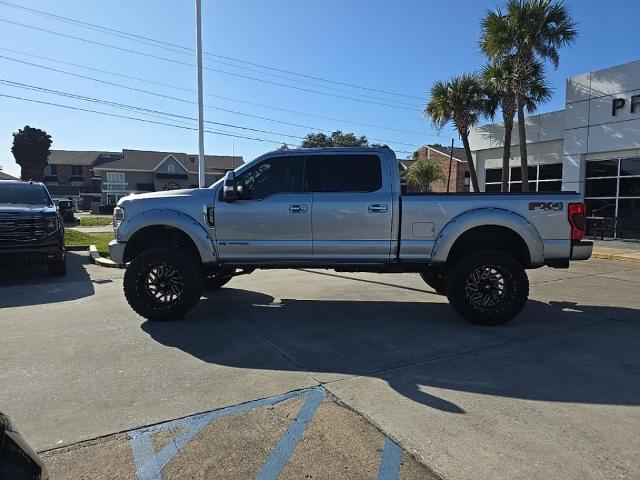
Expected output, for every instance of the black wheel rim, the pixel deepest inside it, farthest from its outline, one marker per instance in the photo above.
(163, 283)
(485, 287)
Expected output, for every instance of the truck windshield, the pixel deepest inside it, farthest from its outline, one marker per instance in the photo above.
(24, 193)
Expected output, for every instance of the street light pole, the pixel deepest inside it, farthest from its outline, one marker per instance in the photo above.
(201, 179)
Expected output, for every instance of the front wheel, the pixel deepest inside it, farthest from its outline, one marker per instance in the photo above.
(488, 287)
(163, 284)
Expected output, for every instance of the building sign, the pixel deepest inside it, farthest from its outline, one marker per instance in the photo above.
(619, 103)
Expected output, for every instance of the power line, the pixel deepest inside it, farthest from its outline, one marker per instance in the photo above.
(167, 85)
(170, 97)
(181, 48)
(70, 107)
(142, 110)
(239, 75)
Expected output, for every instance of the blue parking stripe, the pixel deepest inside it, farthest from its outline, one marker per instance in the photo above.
(280, 455)
(390, 462)
(149, 464)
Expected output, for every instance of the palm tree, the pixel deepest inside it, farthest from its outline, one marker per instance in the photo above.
(497, 79)
(423, 173)
(526, 32)
(460, 101)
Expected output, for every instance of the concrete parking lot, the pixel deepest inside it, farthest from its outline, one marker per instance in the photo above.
(554, 394)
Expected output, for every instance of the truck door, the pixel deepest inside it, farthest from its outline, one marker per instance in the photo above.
(271, 221)
(352, 208)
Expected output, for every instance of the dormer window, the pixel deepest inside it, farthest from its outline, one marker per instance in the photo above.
(171, 168)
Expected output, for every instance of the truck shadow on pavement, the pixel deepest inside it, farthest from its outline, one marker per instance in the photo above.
(37, 287)
(425, 351)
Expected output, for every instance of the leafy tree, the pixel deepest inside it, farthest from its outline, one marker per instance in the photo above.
(337, 139)
(460, 101)
(497, 79)
(284, 146)
(423, 173)
(527, 31)
(31, 150)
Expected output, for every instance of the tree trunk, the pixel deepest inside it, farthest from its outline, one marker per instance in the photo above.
(472, 168)
(523, 144)
(506, 152)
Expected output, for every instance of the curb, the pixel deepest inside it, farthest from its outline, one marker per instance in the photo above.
(102, 262)
(613, 256)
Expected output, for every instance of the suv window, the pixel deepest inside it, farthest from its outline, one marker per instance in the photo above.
(271, 176)
(344, 173)
(24, 193)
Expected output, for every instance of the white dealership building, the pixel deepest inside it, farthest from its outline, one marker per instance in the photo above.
(592, 146)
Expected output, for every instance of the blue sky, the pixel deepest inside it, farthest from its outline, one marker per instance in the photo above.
(401, 46)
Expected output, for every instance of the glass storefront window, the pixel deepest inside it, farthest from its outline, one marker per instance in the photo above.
(630, 166)
(605, 207)
(605, 187)
(602, 168)
(553, 186)
(549, 174)
(553, 171)
(629, 187)
(493, 175)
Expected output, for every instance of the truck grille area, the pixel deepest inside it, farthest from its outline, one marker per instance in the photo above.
(16, 228)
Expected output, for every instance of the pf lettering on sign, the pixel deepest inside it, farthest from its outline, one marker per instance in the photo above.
(619, 103)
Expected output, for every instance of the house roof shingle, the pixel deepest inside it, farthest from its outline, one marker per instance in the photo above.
(72, 157)
(6, 176)
(150, 160)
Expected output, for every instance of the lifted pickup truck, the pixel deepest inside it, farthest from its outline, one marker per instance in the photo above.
(341, 209)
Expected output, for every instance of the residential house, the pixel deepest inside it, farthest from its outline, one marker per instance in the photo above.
(69, 175)
(459, 177)
(137, 171)
(6, 176)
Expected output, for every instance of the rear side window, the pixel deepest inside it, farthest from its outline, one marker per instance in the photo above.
(344, 173)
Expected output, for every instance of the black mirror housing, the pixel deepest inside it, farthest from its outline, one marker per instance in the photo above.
(229, 189)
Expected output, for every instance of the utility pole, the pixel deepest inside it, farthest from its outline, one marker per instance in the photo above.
(201, 178)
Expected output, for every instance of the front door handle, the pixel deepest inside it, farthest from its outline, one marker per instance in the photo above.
(297, 208)
(378, 207)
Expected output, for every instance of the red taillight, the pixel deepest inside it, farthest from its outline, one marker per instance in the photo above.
(576, 220)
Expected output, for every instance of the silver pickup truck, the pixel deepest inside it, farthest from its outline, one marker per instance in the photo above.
(341, 209)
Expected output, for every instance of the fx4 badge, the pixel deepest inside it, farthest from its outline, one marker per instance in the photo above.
(546, 206)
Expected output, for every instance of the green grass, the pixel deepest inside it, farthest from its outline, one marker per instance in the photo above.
(74, 238)
(95, 221)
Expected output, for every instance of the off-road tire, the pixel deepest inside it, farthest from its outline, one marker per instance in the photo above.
(188, 275)
(435, 279)
(463, 287)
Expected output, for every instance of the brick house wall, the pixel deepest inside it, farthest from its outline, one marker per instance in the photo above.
(458, 172)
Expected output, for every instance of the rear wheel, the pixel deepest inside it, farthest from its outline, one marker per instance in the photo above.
(163, 284)
(488, 287)
(435, 280)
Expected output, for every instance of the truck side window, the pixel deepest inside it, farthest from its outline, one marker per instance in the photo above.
(271, 176)
(344, 173)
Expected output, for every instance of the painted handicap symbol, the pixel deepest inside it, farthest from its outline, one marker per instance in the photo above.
(149, 462)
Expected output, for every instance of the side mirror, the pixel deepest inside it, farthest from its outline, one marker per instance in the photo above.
(229, 190)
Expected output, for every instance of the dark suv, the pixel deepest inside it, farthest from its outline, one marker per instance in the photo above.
(31, 230)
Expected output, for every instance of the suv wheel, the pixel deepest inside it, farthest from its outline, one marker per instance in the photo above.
(435, 280)
(162, 284)
(488, 287)
(58, 267)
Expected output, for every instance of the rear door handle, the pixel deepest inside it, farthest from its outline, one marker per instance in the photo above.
(297, 208)
(378, 207)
